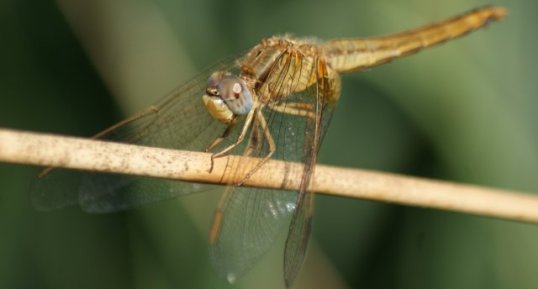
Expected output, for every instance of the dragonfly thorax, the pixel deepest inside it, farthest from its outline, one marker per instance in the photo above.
(227, 96)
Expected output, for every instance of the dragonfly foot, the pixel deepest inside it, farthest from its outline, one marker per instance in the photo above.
(212, 164)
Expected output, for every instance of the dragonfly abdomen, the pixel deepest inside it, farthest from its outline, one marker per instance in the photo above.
(357, 54)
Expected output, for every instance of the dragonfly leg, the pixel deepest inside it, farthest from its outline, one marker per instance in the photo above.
(241, 137)
(224, 135)
(270, 142)
(254, 140)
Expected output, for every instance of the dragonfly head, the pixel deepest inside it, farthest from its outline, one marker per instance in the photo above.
(226, 97)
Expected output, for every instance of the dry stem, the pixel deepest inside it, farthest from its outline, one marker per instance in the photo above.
(76, 153)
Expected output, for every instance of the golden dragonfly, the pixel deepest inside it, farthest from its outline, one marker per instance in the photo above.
(275, 102)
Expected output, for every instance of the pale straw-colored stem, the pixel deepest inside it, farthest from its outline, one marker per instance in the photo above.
(85, 154)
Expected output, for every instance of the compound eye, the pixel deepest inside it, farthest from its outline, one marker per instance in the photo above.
(227, 92)
(214, 81)
(236, 95)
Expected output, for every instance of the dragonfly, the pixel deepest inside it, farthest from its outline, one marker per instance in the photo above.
(274, 102)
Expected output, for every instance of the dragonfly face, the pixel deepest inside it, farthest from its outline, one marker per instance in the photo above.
(227, 96)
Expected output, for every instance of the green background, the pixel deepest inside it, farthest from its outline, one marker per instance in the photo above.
(464, 111)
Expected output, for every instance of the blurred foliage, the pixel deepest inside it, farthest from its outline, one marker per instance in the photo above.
(464, 111)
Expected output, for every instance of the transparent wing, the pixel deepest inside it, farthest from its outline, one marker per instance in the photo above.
(327, 82)
(177, 121)
(248, 220)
